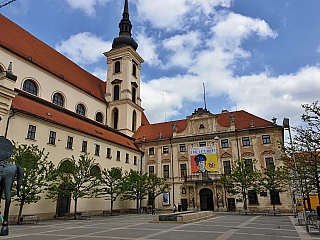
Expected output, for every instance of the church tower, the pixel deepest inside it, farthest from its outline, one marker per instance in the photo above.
(123, 80)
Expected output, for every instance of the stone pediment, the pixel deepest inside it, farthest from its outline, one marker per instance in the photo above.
(268, 152)
(226, 155)
(151, 162)
(247, 154)
(165, 161)
(183, 158)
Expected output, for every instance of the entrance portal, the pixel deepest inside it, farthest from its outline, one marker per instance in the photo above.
(206, 200)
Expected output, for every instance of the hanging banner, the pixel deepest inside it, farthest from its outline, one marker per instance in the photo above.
(204, 159)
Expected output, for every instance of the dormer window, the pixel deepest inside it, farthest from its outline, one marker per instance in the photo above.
(117, 67)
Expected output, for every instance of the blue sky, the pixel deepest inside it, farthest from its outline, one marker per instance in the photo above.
(254, 55)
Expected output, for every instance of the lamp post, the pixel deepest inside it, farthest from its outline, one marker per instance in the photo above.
(286, 126)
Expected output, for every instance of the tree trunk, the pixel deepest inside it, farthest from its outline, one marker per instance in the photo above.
(111, 207)
(20, 212)
(75, 208)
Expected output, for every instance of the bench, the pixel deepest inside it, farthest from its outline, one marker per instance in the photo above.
(85, 215)
(244, 211)
(274, 212)
(259, 211)
(108, 212)
(30, 219)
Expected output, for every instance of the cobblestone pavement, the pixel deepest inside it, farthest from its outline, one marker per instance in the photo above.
(223, 226)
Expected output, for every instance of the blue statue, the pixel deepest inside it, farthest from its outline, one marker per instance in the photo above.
(7, 175)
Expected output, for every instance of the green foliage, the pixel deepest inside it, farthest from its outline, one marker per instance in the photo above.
(110, 184)
(156, 186)
(37, 171)
(243, 177)
(275, 180)
(76, 179)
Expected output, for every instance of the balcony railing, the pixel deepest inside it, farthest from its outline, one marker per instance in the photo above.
(203, 177)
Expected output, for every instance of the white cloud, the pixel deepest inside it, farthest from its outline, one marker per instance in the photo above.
(100, 73)
(83, 48)
(88, 6)
(148, 49)
(171, 15)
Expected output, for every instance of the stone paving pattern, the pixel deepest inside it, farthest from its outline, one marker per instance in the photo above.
(137, 226)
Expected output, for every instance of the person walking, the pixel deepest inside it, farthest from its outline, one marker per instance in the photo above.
(152, 210)
(174, 208)
(1, 218)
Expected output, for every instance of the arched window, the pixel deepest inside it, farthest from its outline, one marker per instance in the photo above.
(80, 109)
(58, 99)
(134, 121)
(116, 92)
(99, 117)
(30, 87)
(115, 118)
(134, 70)
(67, 166)
(134, 94)
(117, 67)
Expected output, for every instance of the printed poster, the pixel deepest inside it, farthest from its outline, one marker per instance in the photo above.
(204, 159)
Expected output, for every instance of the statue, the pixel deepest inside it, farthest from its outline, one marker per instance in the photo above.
(7, 175)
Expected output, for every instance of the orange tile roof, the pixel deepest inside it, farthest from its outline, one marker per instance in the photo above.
(40, 109)
(242, 122)
(22, 43)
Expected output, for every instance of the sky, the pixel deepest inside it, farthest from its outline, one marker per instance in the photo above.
(254, 55)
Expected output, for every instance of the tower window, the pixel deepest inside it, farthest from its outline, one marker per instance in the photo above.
(134, 94)
(58, 99)
(134, 121)
(115, 118)
(116, 92)
(30, 87)
(134, 70)
(80, 109)
(117, 67)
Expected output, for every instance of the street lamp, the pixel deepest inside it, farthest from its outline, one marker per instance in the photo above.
(286, 126)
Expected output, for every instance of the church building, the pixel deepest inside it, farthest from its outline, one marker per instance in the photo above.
(49, 101)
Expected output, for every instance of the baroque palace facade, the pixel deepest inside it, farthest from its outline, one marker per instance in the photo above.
(49, 101)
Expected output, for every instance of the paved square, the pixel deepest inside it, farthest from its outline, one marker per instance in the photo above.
(137, 226)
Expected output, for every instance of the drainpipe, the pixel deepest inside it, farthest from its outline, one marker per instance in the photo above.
(7, 126)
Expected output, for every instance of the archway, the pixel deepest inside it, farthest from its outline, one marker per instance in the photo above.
(206, 199)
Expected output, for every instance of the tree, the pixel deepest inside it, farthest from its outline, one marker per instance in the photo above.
(274, 180)
(111, 185)
(156, 186)
(37, 170)
(135, 187)
(243, 177)
(77, 179)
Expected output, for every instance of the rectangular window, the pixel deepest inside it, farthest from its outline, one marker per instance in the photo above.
(245, 141)
(165, 149)
(127, 157)
(97, 150)
(151, 151)
(84, 146)
(269, 162)
(31, 132)
(275, 198)
(109, 153)
(249, 163)
(69, 142)
(166, 171)
(118, 155)
(52, 138)
(135, 160)
(151, 170)
(224, 143)
(183, 170)
(252, 196)
(226, 167)
(266, 139)
(202, 144)
(182, 148)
